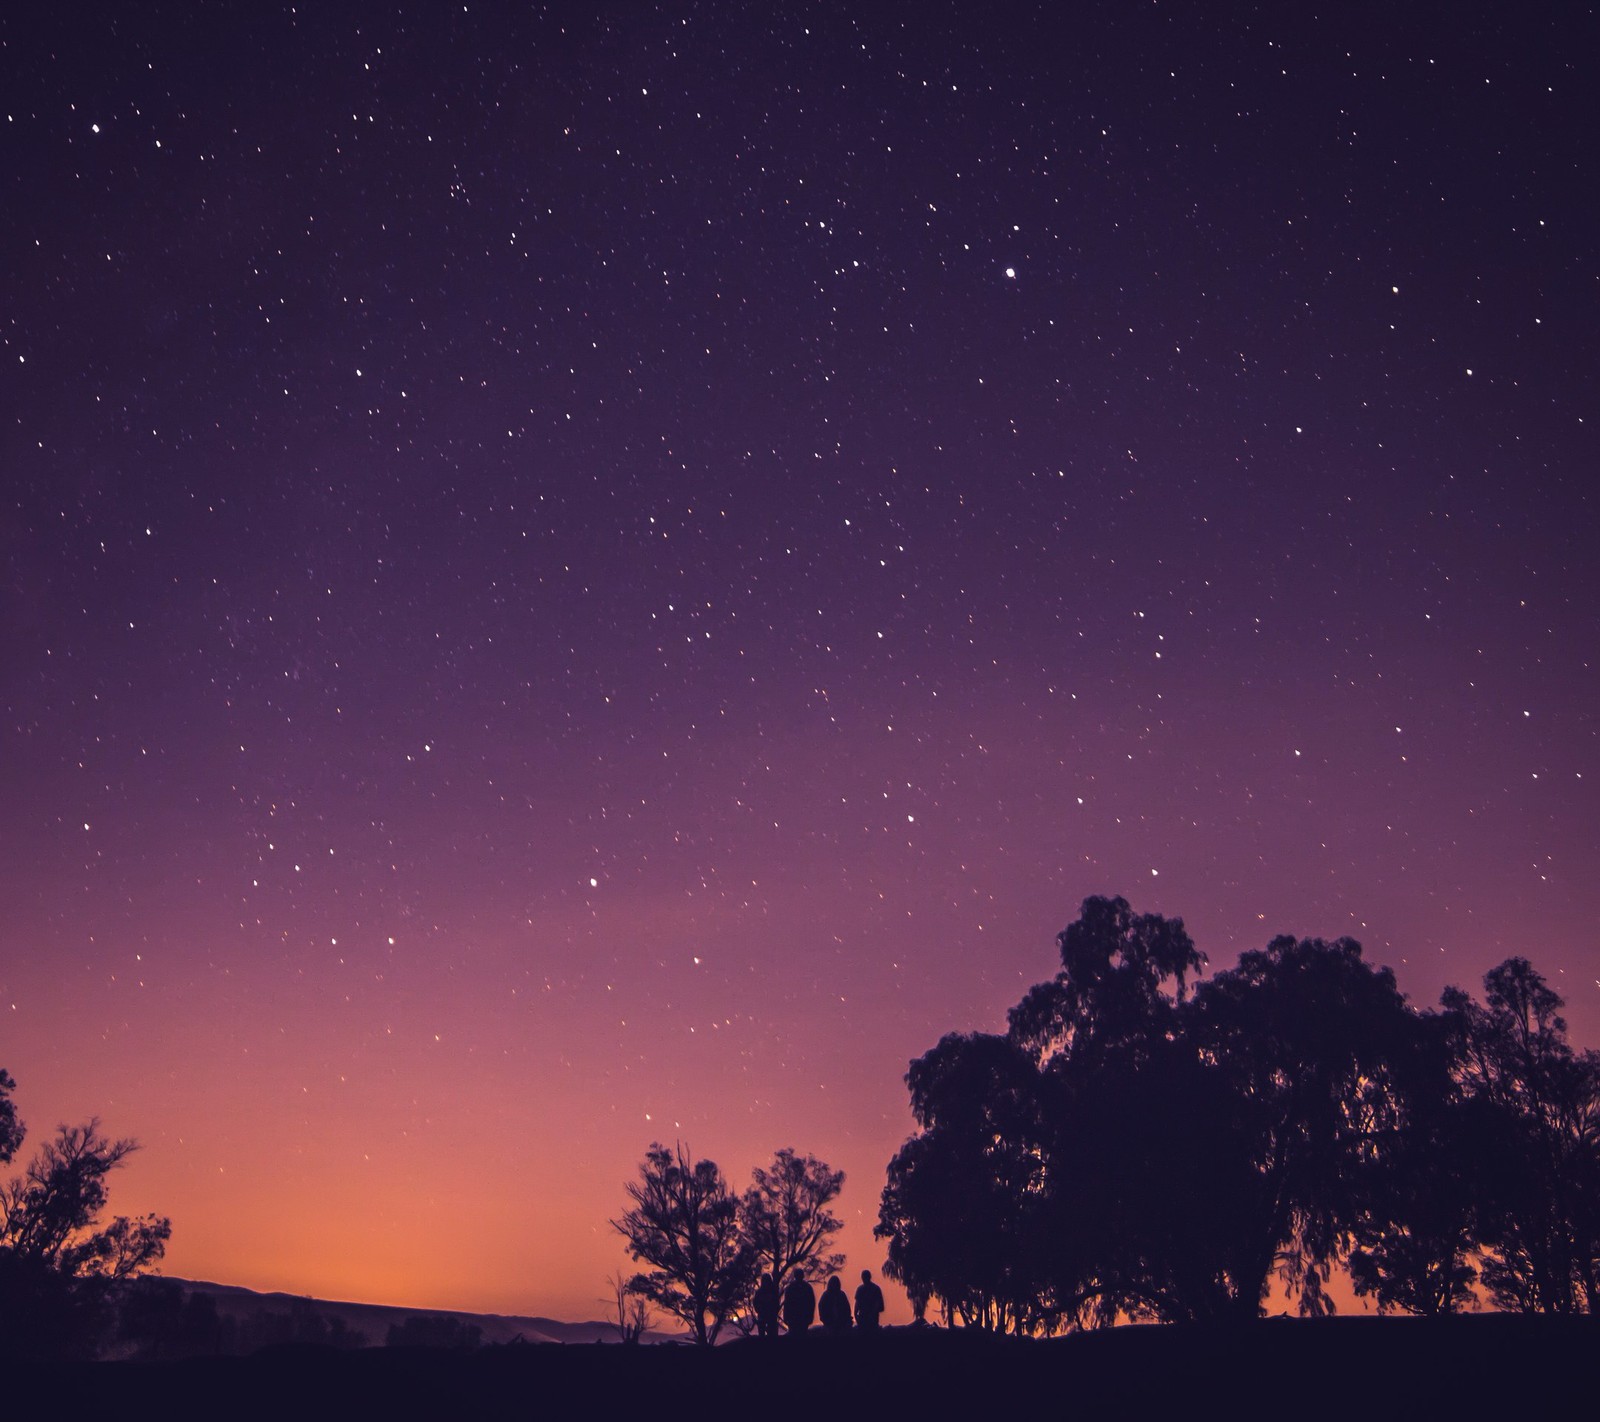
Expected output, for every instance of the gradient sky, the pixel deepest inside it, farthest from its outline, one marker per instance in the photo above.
(572, 580)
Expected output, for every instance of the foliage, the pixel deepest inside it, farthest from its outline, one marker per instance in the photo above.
(301, 1323)
(50, 1213)
(1137, 1149)
(1045, 1184)
(11, 1129)
(786, 1219)
(1417, 1236)
(158, 1319)
(1123, 977)
(1318, 1048)
(1142, 1187)
(434, 1330)
(1537, 1110)
(58, 1264)
(959, 1210)
(685, 1225)
(1129, 1123)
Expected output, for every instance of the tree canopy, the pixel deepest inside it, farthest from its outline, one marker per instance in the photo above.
(786, 1219)
(1139, 1147)
(684, 1225)
(707, 1246)
(959, 1211)
(1536, 1105)
(11, 1129)
(58, 1262)
(1123, 976)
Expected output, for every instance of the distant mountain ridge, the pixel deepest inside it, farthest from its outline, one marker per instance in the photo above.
(373, 1321)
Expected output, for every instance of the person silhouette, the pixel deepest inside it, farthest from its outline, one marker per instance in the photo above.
(765, 1305)
(869, 1303)
(799, 1305)
(834, 1308)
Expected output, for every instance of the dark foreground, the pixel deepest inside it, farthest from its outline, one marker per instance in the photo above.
(1478, 1366)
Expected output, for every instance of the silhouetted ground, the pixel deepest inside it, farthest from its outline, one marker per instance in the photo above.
(1477, 1366)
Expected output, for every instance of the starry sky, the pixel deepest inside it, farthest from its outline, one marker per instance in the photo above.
(576, 575)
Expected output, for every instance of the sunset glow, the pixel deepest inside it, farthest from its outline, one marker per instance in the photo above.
(611, 574)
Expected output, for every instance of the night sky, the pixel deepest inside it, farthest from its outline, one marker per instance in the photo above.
(572, 579)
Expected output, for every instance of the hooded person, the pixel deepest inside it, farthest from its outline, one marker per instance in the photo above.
(834, 1308)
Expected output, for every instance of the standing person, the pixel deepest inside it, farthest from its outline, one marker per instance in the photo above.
(765, 1304)
(834, 1309)
(869, 1303)
(799, 1305)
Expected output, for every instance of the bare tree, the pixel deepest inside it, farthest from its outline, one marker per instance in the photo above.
(631, 1310)
(685, 1225)
(786, 1216)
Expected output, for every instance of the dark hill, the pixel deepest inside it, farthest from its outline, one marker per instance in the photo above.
(371, 1322)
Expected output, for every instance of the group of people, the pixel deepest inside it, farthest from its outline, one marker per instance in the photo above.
(799, 1306)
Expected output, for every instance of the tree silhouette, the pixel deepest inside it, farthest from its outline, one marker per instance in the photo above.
(49, 1214)
(11, 1129)
(1142, 1178)
(1417, 1235)
(1536, 1108)
(434, 1330)
(151, 1317)
(631, 1311)
(959, 1209)
(786, 1219)
(1319, 1048)
(1132, 1184)
(1123, 977)
(301, 1322)
(1134, 1149)
(58, 1264)
(685, 1225)
(158, 1321)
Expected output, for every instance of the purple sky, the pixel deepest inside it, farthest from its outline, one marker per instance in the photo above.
(571, 581)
